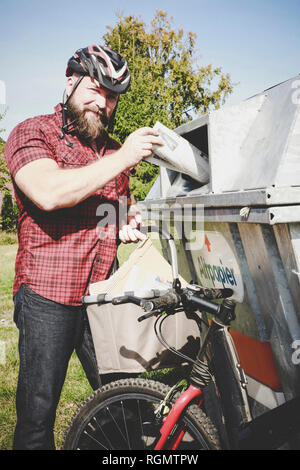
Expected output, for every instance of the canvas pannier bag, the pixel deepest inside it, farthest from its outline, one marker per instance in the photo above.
(123, 344)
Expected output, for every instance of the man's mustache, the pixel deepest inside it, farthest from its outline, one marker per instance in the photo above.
(101, 114)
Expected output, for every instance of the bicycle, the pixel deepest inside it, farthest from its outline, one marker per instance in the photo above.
(142, 414)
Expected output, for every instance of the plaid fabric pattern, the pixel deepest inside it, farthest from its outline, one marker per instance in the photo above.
(62, 251)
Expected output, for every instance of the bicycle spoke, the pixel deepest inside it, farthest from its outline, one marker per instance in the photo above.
(116, 424)
(95, 440)
(104, 434)
(141, 422)
(128, 441)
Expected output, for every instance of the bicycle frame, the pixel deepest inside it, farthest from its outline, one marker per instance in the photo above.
(236, 413)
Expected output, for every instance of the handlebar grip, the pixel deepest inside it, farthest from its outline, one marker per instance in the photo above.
(224, 311)
(206, 305)
(168, 300)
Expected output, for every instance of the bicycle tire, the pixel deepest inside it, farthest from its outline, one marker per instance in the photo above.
(120, 416)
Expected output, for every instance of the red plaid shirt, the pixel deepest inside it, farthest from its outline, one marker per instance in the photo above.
(60, 252)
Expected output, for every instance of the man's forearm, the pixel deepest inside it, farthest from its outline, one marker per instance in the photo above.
(51, 187)
(71, 186)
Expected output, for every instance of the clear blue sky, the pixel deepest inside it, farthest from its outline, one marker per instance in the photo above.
(257, 42)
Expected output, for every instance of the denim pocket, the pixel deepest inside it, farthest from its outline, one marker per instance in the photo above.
(33, 298)
(18, 302)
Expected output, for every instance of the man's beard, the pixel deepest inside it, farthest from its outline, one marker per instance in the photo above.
(88, 128)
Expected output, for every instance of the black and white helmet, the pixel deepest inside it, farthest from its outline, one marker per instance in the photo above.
(103, 64)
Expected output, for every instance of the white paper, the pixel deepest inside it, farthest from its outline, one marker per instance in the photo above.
(140, 278)
(179, 155)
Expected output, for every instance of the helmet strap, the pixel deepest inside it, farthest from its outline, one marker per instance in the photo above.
(65, 124)
(111, 124)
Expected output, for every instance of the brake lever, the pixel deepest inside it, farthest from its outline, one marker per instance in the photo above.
(147, 315)
(156, 313)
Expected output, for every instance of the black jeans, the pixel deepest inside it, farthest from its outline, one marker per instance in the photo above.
(49, 333)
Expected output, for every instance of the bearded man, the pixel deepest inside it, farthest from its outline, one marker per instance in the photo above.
(64, 166)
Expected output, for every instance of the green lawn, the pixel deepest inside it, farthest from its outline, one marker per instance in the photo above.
(76, 388)
(7, 257)
(8, 345)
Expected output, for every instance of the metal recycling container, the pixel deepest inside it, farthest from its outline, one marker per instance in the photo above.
(250, 236)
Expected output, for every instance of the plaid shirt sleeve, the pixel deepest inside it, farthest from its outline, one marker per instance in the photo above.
(25, 144)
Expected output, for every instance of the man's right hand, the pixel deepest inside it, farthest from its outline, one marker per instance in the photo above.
(138, 145)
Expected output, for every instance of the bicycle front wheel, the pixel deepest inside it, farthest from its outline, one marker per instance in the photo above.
(121, 416)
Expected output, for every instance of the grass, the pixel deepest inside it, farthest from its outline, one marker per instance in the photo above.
(9, 360)
(8, 238)
(76, 388)
(8, 372)
(7, 257)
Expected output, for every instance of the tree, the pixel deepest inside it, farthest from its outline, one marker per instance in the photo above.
(9, 210)
(4, 173)
(9, 213)
(168, 84)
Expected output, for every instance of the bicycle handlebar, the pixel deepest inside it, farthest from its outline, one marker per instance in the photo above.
(206, 305)
(171, 300)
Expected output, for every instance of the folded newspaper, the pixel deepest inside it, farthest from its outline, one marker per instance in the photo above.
(146, 268)
(179, 155)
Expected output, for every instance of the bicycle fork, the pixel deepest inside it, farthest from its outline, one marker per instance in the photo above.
(170, 421)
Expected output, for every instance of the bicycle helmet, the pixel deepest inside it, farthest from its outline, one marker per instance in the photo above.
(103, 64)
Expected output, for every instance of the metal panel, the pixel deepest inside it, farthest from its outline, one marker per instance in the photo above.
(248, 315)
(260, 270)
(263, 152)
(284, 214)
(251, 296)
(224, 214)
(252, 198)
(275, 301)
(260, 215)
(193, 125)
(288, 242)
(228, 129)
(287, 173)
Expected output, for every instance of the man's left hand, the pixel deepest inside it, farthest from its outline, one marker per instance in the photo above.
(130, 232)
